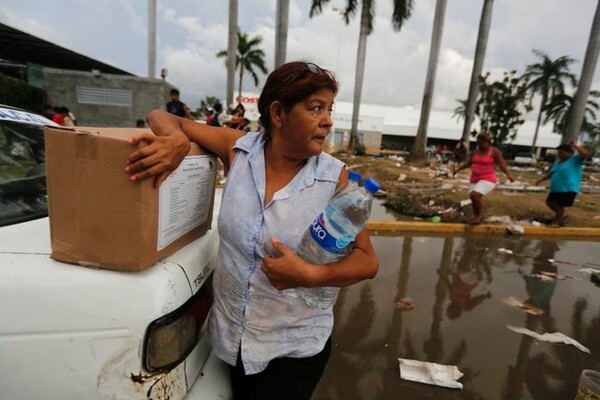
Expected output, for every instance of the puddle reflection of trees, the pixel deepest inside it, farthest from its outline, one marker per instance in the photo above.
(360, 369)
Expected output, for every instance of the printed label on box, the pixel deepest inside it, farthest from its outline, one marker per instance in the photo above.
(184, 198)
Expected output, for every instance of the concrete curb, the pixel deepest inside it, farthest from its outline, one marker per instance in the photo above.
(376, 227)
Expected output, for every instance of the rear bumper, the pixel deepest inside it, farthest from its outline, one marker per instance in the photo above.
(213, 383)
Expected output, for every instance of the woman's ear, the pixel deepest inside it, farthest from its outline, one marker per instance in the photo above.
(276, 113)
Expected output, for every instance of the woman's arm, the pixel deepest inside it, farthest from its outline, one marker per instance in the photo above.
(502, 164)
(171, 143)
(543, 178)
(290, 270)
(583, 152)
(464, 165)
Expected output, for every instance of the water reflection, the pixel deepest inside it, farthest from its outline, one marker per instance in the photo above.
(467, 273)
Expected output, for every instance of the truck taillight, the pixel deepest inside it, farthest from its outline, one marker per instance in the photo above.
(172, 337)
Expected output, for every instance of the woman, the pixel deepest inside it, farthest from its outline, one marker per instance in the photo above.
(565, 179)
(279, 179)
(483, 179)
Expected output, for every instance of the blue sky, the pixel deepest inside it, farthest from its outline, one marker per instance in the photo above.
(190, 33)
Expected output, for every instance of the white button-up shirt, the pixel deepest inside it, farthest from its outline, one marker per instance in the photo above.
(249, 314)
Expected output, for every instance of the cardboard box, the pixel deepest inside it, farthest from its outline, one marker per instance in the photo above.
(99, 218)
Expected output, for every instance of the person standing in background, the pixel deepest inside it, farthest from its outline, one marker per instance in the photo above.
(483, 179)
(565, 179)
(177, 107)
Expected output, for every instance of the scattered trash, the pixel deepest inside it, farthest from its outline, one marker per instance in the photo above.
(402, 177)
(464, 203)
(536, 223)
(430, 373)
(550, 276)
(520, 304)
(502, 250)
(555, 337)
(503, 219)
(431, 202)
(436, 219)
(405, 304)
(515, 229)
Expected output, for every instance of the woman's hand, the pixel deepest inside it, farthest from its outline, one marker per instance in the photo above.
(159, 157)
(289, 270)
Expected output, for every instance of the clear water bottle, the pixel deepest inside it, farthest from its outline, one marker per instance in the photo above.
(329, 236)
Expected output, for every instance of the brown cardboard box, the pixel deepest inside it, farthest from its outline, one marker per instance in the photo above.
(99, 218)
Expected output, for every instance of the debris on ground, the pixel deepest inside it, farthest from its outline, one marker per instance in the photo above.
(430, 373)
(515, 229)
(405, 304)
(523, 306)
(555, 337)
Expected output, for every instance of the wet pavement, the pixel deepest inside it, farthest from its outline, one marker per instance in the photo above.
(457, 285)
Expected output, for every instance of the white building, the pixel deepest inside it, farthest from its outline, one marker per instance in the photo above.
(396, 127)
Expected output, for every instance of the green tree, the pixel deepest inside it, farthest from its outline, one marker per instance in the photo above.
(501, 105)
(559, 109)
(249, 57)
(207, 103)
(402, 12)
(460, 112)
(546, 78)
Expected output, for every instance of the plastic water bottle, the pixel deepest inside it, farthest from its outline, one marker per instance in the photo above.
(329, 236)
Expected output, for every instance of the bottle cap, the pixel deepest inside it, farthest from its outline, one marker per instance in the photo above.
(354, 176)
(372, 185)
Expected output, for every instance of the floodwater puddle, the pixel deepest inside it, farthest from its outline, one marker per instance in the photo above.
(458, 317)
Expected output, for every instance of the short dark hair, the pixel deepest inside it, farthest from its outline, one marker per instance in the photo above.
(218, 107)
(291, 83)
(565, 147)
(174, 91)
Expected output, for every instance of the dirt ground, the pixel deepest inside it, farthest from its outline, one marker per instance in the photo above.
(425, 191)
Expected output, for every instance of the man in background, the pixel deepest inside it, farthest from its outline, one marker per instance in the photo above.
(177, 107)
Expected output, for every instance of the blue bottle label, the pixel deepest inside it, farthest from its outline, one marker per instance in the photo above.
(325, 239)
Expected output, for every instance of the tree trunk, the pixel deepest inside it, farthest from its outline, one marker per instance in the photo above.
(231, 49)
(281, 31)
(577, 111)
(239, 99)
(361, 56)
(151, 39)
(539, 121)
(418, 150)
(482, 38)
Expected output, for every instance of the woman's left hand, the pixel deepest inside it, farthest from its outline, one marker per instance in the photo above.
(289, 270)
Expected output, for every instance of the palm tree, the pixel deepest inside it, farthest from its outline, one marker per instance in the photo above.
(546, 79)
(460, 112)
(482, 37)
(585, 80)
(248, 57)
(559, 111)
(281, 29)
(231, 46)
(402, 11)
(418, 150)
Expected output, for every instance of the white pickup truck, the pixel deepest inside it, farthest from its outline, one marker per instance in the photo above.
(70, 333)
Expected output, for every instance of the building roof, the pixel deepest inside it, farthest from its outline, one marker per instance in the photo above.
(20, 47)
(404, 121)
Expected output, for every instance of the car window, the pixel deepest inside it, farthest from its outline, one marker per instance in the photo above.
(22, 172)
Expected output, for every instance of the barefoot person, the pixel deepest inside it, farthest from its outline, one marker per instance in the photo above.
(277, 346)
(483, 179)
(565, 178)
